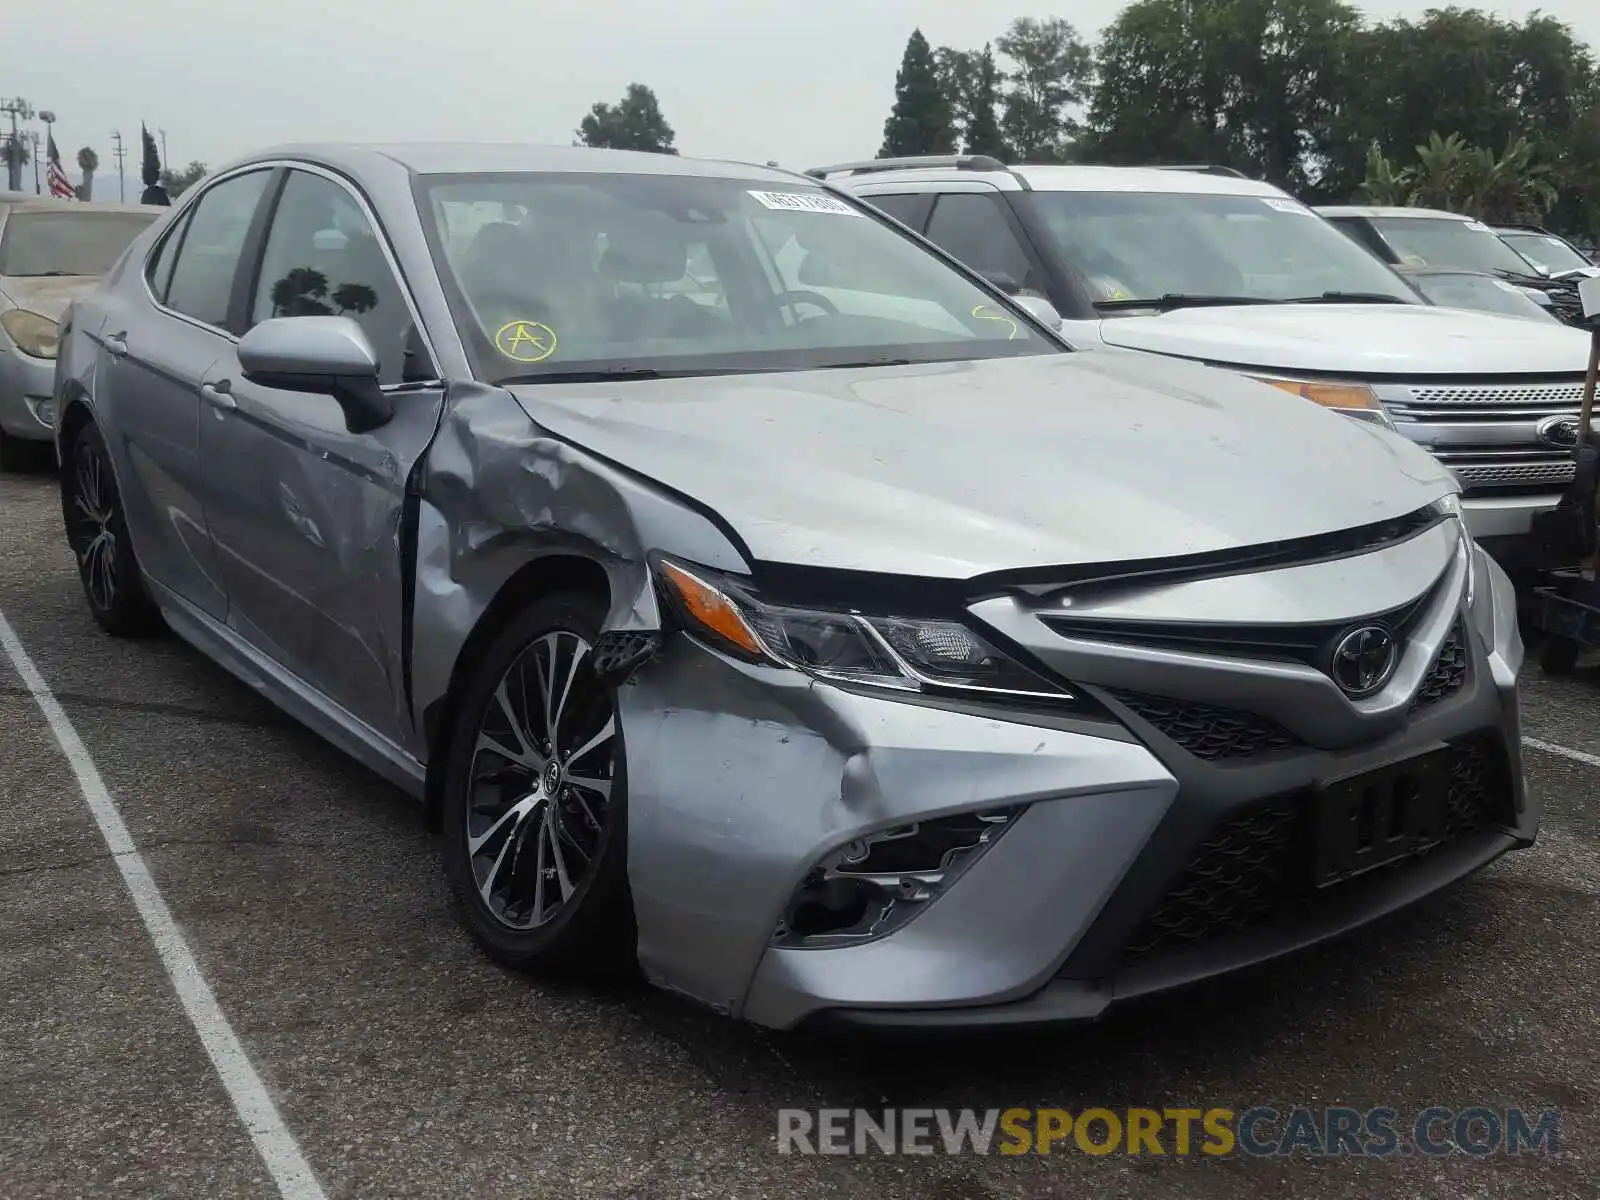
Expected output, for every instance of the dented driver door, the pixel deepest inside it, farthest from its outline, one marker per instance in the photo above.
(305, 515)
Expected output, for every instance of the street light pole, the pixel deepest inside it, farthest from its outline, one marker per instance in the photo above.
(33, 136)
(119, 153)
(15, 107)
(165, 165)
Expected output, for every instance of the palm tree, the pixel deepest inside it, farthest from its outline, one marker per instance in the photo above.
(88, 163)
(14, 155)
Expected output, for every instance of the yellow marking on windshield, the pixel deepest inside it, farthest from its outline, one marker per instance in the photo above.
(525, 341)
(984, 313)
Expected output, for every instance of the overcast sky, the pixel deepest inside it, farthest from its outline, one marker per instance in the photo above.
(224, 77)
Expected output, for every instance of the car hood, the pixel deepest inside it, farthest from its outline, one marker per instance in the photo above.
(956, 469)
(1355, 339)
(48, 295)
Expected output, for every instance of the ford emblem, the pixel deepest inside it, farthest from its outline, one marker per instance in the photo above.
(1558, 431)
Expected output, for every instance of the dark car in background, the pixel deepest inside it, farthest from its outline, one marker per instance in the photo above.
(1551, 253)
(1431, 237)
(1450, 287)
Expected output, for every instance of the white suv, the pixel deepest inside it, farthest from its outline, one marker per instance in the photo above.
(1205, 264)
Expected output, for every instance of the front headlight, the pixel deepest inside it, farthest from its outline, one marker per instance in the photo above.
(1353, 399)
(903, 653)
(34, 333)
(1450, 506)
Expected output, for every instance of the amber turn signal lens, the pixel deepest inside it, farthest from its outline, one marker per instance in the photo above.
(711, 610)
(1329, 395)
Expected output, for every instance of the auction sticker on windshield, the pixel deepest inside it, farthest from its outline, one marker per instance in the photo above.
(804, 202)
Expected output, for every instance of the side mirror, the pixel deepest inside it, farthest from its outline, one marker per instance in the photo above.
(326, 355)
(1041, 310)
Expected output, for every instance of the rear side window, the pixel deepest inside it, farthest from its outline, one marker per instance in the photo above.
(908, 208)
(972, 227)
(202, 278)
(158, 273)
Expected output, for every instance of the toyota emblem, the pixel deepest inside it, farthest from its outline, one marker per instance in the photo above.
(1364, 659)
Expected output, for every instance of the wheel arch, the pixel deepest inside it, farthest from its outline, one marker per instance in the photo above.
(538, 577)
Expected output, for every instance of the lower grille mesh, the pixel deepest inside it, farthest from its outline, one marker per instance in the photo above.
(1255, 868)
(1449, 671)
(1208, 732)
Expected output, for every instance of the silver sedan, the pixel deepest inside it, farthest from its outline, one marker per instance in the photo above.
(51, 252)
(755, 596)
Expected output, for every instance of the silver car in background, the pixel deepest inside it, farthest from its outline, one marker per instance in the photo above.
(51, 251)
(756, 597)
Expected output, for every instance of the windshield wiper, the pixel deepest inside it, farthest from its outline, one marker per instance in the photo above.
(1180, 300)
(1349, 298)
(596, 375)
(865, 362)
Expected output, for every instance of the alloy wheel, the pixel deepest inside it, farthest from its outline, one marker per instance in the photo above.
(540, 782)
(92, 528)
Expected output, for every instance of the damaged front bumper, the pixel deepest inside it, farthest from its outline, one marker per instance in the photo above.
(745, 779)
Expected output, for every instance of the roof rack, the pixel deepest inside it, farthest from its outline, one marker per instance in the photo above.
(1202, 169)
(961, 162)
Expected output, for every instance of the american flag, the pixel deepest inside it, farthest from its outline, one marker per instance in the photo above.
(60, 185)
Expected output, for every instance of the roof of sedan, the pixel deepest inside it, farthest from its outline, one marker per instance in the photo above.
(452, 158)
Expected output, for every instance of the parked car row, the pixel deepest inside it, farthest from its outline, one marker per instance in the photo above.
(1208, 266)
(759, 596)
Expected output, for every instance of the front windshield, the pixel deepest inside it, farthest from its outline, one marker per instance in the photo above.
(1550, 254)
(1144, 245)
(1445, 242)
(1481, 293)
(557, 275)
(71, 242)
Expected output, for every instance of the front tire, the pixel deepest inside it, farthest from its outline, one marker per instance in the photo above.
(97, 530)
(535, 806)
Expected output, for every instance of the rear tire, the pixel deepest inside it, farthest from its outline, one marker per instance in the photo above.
(536, 843)
(97, 530)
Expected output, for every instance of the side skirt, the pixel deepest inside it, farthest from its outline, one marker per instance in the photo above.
(290, 693)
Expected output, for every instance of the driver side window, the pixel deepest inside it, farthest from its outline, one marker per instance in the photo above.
(323, 258)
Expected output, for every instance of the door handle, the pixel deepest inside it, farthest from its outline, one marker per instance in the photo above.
(218, 395)
(117, 344)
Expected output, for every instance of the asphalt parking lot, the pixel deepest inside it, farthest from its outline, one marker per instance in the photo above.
(403, 1064)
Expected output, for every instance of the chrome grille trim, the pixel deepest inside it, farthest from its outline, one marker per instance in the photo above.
(1486, 432)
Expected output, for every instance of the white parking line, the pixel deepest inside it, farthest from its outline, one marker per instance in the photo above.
(273, 1141)
(1591, 760)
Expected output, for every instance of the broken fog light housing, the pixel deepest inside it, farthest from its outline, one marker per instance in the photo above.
(903, 653)
(872, 885)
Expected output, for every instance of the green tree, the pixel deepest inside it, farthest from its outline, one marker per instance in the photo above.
(1258, 85)
(178, 182)
(1051, 69)
(971, 81)
(634, 123)
(921, 121)
(1448, 173)
(88, 164)
(1466, 72)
